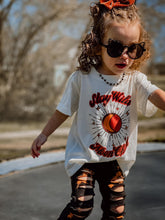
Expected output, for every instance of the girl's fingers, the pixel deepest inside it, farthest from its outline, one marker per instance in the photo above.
(39, 148)
(35, 151)
(33, 154)
(36, 146)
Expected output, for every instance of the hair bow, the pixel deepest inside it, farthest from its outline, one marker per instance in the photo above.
(117, 3)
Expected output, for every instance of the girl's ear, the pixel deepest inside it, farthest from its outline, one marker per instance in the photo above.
(98, 53)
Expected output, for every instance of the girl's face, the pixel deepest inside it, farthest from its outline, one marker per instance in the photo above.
(127, 34)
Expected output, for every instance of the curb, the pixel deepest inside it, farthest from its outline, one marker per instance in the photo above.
(150, 147)
(55, 157)
(28, 162)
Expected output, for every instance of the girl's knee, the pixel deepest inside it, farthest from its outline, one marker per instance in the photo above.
(117, 198)
(82, 196)
(119, 209)
(81, 207)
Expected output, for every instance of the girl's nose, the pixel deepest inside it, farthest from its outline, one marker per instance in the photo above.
(125, 53)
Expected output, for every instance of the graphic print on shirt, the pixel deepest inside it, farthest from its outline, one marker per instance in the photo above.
(109, 123)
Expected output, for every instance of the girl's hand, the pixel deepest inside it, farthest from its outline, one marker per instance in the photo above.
(36, 146)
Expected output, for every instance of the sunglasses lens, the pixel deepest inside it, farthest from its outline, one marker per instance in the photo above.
(135, 51)
(114, 48)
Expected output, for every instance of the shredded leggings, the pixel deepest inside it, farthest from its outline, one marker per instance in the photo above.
(111, 184)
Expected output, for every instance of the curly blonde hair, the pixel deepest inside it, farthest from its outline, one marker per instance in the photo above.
(102, 20)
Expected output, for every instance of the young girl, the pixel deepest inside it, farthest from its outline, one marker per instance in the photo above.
(106, 92)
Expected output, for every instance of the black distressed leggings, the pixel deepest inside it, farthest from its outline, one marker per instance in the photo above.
(111, 184)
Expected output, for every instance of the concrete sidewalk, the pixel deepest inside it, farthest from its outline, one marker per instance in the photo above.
(32, 133)
(42, 193)
(58, 156)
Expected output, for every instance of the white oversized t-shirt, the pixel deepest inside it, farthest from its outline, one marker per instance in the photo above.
(105, 123)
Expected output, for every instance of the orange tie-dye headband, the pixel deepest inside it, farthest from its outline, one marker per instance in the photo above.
(117, 3)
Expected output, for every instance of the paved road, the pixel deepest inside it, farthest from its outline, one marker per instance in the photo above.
(41, 193)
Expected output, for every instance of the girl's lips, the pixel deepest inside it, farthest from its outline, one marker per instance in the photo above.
(121, 65)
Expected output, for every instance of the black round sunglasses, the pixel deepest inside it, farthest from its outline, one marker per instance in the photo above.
(115, 49)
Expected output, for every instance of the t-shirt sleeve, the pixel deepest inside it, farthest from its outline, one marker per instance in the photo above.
(70, 99)
(144, 89)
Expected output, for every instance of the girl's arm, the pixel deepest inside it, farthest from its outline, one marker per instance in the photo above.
(158, 98)
(54, 122)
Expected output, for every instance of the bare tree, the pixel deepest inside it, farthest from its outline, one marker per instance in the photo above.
(27, 57)
(154, 17)
(32, 43)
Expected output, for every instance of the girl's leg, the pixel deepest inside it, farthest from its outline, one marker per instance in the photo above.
(81, 203)
(112, 189)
